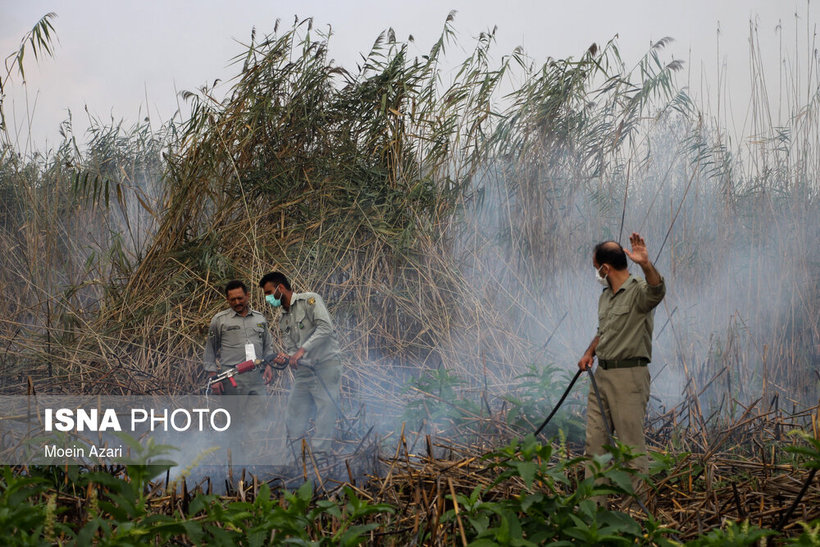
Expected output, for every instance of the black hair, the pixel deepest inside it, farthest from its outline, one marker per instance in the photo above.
(276, 278)
(610, 252)
(235, 284)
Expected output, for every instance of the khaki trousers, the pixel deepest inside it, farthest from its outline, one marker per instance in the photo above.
(247, 403)
(309, 395)
(624, 394)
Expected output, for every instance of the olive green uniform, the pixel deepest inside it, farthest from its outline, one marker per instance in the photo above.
(229, 336)
(307, 324)
(625, 325)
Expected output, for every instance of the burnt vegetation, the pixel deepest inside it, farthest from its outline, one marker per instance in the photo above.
(447, 218)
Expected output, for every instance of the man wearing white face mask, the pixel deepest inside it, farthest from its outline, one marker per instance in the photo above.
(307, 332)
(623, 346)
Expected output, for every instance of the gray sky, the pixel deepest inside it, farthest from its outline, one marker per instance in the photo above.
(121, 58)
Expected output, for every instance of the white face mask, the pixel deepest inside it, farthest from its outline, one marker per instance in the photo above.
(601, 279)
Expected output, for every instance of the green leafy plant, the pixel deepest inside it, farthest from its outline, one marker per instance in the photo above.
(810, 537)
(552, 507)
(437, 399)
(734, 534)
(20, 518)
(295, 519)
(121, 513)
(534, 395)
(810, 451)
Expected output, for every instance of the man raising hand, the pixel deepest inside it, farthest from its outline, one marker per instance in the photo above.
(623, 346)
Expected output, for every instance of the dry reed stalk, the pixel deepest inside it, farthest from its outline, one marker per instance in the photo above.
(371, 188)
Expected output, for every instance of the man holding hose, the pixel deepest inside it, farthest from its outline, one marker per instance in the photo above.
(235, 335)
(307, 332)
(623, 346)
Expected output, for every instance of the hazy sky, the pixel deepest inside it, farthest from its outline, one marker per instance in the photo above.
(122, 58)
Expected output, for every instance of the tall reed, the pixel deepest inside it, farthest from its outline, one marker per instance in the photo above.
(447, 224)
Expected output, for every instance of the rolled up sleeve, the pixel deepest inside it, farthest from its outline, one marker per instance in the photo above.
(651, 295)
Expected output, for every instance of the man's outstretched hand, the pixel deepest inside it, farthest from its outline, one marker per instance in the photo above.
(639, 255)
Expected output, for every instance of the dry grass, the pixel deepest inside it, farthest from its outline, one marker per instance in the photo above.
(449, 230)
(729, 471)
